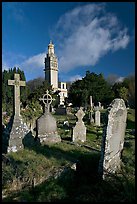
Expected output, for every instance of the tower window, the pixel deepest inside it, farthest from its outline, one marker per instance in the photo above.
(63, 86)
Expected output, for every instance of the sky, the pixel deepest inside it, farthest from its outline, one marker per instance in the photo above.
(94, 36)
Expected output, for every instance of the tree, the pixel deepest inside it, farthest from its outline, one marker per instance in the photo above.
(131, 91)
(123, 93)
(91, 84)
(126, 90)
(111, 79)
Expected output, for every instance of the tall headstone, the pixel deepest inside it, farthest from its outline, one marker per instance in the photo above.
(19, 128)
(113, 138)
(97, 118)
(91, 104)
(91, 110)
(46, 124)
(79, 131)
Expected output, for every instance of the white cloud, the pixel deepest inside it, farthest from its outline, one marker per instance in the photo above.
(74, 78)
(35, 61)
(33, 65)
(87, 33)
(83, 35)
(120, 79)
(10, 60)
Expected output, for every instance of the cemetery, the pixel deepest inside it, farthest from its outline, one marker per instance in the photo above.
(68, 102)
(86, 154)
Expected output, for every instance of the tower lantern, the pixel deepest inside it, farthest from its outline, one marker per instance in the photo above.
(50, 48)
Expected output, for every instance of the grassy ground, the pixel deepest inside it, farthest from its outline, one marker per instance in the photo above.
(30, 174)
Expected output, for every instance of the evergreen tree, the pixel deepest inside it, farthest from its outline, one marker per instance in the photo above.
(91, 85)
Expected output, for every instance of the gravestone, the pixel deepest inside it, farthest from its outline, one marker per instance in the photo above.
(97, 118)
(91, 104)
(46, 125)
(19, 128)
(79, 131)
(91, 110)
(113, 138)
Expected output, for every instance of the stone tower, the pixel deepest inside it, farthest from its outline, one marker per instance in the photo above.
(51, 67)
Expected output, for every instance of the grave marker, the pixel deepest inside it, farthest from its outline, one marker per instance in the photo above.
(113, 138)
(19, 128)
(79, 131)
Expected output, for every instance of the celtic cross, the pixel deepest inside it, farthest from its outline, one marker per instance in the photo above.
(47, 100)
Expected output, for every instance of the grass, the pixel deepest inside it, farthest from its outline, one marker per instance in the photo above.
(36, 166)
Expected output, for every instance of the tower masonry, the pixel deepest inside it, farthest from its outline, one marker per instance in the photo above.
(51, 67)
(51, 73)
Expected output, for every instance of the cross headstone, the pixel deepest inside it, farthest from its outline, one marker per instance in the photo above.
(79, 131)
(113, 138)
(47, 100)
(16, 83)
(46, 124)
(19, 129)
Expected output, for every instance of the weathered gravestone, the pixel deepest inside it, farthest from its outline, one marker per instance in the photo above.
(19, 128)
(46, 124)
(113, 138)
(97, 118)
(79, 131)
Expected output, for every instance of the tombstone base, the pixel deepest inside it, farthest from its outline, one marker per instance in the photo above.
(50, 138)
(18, 131)
(113, 165)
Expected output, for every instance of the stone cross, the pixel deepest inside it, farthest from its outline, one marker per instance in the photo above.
(80, 114)
(47, 100)
(79, 131)
(16, 83)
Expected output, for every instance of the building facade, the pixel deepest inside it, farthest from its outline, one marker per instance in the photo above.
(51, 73)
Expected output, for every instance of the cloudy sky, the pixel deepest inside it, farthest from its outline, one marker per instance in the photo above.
(98, 37)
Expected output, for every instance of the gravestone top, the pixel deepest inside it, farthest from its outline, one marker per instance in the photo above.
(16, 83)
(47, 100)
(80, 114)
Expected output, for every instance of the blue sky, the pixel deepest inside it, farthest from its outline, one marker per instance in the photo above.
(99, 37)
